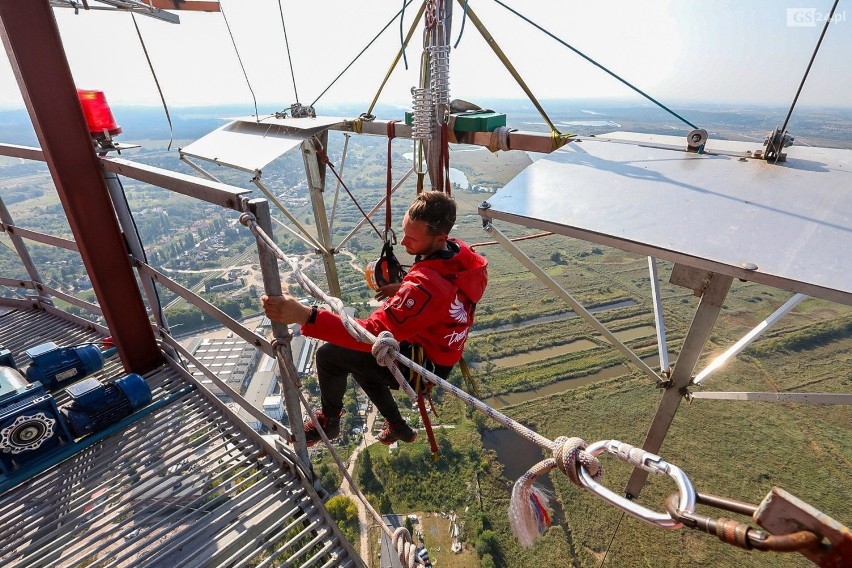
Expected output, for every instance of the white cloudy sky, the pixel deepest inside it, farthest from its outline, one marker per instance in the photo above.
(742, 51)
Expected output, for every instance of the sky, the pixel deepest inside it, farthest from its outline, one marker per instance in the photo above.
(725, 51)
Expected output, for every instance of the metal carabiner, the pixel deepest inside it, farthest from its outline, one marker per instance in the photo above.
(651, 463)
(390, 232)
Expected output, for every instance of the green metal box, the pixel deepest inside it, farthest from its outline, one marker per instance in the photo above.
(475, 121)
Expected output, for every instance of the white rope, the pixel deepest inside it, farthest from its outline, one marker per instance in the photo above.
(567, 453)
(402, 540)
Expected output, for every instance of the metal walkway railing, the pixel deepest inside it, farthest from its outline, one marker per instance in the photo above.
(187, 485)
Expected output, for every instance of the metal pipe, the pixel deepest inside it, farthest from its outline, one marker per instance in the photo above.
(570, 300)
(749, 338)
(134, 243)
(23, 252)
(662, 347)
(287, 370)
(315, 173)
(208, 308)
(306, 235)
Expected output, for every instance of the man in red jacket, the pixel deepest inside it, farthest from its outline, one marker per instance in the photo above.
(431, 308)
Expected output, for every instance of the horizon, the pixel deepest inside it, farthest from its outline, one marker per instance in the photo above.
(679, 53)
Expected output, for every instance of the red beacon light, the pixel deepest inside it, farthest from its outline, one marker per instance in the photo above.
(98, 115)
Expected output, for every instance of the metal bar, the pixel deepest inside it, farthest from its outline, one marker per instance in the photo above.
(569, 299)
(21, 248)
(749, 338)
(25, 152)
(306, 235)
(74, 300)
(12, 283)
(339, 183)
(659, 323)
(35, 51)
(39, 237)
(16, 303)
(299, 236)
(272, 425)
(381, 202)
(208, 308)
(143, 9)
(517, 139)
(713, 296)
(189, 5)
(286, 369)
(80, 321)
(198, 168)
(219, 162)
(134, 243)
(220, 194)
(315, 172)
(801, 397)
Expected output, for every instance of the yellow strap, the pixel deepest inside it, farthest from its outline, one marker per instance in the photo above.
(398, 56)
(468, 377)
(489, 39)
(416, 356)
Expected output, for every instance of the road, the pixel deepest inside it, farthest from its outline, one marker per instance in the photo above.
(364, 519)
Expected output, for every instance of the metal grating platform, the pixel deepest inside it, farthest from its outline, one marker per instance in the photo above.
(187, 485)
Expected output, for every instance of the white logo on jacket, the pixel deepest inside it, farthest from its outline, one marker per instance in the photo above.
(457, 311)
(456, 337)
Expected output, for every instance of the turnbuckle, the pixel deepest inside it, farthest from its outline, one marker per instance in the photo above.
(737, 533)
(651, 463)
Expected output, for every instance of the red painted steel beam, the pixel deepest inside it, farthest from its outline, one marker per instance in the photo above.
(34, 47)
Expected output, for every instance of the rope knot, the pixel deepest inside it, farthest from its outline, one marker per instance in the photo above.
(246, 218)
(570, 455)
(385, 349)
(405, 548)
(279, 343)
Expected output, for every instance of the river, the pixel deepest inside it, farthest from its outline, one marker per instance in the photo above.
(555, 317)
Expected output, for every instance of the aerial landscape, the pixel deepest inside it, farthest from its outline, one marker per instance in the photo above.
(532, 357)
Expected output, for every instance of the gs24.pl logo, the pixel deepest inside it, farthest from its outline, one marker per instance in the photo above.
(811, 17)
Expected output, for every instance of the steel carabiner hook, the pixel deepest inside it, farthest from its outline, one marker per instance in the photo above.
(651, 463)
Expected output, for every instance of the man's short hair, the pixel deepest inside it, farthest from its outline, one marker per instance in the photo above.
(436, 209)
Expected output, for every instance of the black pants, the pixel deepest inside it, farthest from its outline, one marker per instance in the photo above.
(335, 363)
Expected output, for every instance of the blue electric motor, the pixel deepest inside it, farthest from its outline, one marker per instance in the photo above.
(30, 423)
(55, 366)
(94, 405)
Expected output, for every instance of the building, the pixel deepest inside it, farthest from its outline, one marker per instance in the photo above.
(231, 359)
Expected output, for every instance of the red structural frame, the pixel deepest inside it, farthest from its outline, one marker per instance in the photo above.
(32, 41)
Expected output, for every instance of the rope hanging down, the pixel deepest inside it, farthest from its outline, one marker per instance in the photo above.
(596, 64)
(360, 53)
(240, 59)
(289, 58)
(156, 82)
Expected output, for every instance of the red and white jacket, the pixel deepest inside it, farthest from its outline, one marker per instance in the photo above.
(433, 307)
